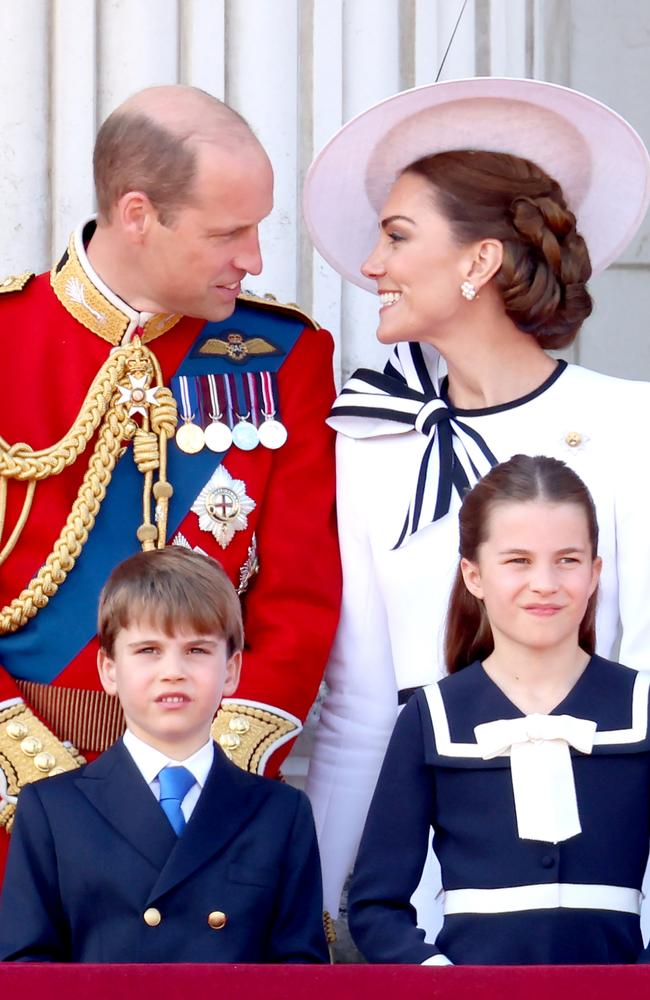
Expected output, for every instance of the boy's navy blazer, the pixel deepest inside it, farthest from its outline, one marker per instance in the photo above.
(92, 852)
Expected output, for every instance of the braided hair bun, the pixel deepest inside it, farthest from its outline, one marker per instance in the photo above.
(546, 265)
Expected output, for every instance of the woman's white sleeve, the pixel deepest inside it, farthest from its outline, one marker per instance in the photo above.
(360, 708)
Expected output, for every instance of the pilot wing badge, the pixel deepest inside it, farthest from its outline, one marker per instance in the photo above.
(237, 346)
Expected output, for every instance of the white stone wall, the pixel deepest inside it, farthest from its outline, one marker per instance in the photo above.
(297, 69)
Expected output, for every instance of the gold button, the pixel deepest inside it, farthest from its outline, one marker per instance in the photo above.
(573, 439)
(31, 746)
(17, 730)
(152, 917)
(239, 724)
(229, 741)
(56, 770)
(217, 920)
(44, 761)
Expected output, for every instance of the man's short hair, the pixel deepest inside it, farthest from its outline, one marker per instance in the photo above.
(136, 152)
(173, 589)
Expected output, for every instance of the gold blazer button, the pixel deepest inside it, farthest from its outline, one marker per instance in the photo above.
(152, 917)
(217, 920)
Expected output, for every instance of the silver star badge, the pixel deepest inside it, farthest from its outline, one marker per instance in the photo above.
(223, 507)
(137, 394)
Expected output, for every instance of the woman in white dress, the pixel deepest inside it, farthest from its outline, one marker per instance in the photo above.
(495, 200)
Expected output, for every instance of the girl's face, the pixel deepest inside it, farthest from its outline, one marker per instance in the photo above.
(534, 573)
(417, 264)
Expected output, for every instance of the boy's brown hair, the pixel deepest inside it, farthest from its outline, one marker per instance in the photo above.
(175, 589)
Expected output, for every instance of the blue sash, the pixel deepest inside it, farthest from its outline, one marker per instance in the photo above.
(44, 647)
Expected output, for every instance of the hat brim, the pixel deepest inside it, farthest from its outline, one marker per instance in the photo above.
(596, 156)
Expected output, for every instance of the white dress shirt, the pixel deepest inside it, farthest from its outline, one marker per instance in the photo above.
(150, 763)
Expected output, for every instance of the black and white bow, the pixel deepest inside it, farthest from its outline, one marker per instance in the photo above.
(405, 397)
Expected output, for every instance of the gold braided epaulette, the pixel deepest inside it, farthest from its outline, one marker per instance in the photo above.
(246, 733)
(289, 308)
(28, 752)
(15, 282)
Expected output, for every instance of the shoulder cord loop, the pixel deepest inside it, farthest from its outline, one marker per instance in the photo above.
(107, 406)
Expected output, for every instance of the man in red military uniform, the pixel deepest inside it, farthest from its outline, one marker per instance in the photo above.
(142, 325)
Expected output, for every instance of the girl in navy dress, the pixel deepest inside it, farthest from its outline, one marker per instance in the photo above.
(530, 762)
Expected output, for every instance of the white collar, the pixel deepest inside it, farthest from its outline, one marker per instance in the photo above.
(150, 761)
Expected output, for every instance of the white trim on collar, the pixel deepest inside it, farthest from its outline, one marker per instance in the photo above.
(639, 728)
(446, 747)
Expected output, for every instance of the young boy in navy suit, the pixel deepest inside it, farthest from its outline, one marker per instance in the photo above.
(162, 850)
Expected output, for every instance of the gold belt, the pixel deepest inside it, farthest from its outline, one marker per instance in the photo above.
(90, 720)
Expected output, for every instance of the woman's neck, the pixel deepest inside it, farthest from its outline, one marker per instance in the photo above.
(536, 680)
(492, 362)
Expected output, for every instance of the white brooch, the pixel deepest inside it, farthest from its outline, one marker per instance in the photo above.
(223, 507)
(137, 395)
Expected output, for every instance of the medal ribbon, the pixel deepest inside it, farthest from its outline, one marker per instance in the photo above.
(254, 398)
(230, 409)
(268, 394)
(188, 396)
(215, 410)
(243, 406)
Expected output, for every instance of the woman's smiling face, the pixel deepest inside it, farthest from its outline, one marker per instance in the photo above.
(418, 266)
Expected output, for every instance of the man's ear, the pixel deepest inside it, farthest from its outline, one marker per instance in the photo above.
(106, 671)
(233, 670)
(136, 215)
(472, 577)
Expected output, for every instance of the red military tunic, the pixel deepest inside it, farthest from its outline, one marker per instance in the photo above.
(52, 347)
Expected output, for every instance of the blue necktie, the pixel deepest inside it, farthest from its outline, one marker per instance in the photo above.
(175, 783)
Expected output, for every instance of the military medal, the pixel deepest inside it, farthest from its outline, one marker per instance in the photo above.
(189, 437)
(272, 433)
(223, 506)
(244, 433)
(218, 436)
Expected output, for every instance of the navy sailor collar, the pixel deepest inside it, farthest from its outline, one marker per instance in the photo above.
(614, 696)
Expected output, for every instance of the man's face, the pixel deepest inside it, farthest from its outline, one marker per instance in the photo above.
(195, 265)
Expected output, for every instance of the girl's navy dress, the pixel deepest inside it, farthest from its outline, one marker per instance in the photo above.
(525, 901)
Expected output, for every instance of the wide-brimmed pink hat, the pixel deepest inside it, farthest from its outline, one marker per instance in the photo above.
(596, 156)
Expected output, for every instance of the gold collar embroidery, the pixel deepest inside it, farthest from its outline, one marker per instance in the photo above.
(85, 296)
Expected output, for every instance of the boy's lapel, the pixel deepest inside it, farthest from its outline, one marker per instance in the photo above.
(117, 790)
(228, 801)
